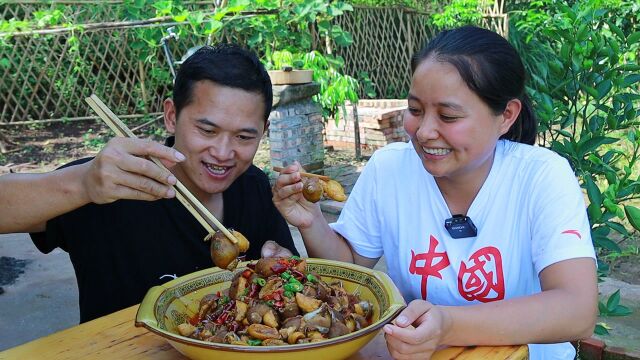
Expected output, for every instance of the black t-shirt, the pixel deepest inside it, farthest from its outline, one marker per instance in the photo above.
(120, 250)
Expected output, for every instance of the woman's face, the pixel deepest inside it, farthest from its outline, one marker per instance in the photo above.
(453, 131)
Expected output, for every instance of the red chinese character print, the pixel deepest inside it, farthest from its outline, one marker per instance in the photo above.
(574, 232)
(482, 279)
(429, 268)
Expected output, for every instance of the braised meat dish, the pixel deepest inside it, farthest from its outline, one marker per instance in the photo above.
(277, 302)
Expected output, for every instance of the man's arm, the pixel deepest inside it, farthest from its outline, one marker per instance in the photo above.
(120, 171)
(29, 200)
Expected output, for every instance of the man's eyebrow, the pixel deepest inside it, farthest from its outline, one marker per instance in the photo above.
(208, 122)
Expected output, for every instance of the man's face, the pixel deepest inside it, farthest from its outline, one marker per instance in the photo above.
(219, 133)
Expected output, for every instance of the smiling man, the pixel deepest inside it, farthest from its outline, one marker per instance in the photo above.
(100, 211)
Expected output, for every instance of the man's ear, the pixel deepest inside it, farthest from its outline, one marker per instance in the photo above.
(170, 116)
(510, 115)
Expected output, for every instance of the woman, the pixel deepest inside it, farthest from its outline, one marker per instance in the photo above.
(486, 232)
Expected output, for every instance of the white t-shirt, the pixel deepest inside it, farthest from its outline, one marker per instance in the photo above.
(530, 213)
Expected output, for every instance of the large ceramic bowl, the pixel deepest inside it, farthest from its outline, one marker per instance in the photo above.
(166, 306)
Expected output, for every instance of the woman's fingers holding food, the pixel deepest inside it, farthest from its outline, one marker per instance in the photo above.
(288, 182)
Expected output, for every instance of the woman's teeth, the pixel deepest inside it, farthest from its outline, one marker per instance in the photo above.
(217, 170)
(432, 151)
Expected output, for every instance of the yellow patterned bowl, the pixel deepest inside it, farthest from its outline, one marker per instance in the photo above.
(166, 306)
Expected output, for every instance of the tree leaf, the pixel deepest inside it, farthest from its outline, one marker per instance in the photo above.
(621, 310)
(633, 216)
(600, 329)
(603, 88)
(616, 30)
(630, 79)
(617, 227)
(606, 243)
(633, 38)
(595, 196)
(613, 301)
(593, 143)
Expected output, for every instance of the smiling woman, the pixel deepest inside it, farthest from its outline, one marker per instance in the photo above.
(527, 272)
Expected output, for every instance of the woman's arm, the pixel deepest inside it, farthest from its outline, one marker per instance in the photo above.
(319, 239)
(565, 310)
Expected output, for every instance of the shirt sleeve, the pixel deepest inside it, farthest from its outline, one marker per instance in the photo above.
(359, 221)
(560, 226)
(52, 237)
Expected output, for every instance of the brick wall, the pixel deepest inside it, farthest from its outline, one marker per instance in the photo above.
(295, 133)
(380, 123)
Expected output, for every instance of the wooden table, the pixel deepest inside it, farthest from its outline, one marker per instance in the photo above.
(115, 337)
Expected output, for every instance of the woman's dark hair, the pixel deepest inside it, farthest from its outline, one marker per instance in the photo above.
(491, 68)
(227, 65)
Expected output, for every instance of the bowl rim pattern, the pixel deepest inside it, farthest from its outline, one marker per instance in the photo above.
(159, 298)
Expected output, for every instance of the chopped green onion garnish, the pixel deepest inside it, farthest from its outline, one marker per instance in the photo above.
(255, 342)
(293, 287)
(288, 293)
(260, 281)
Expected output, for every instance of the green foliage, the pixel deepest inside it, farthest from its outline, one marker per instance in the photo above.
(300, 27)
(457, 13)
(94, 142)
(612, 307)
(582, 62)
(601, 329)
(335, 87)
(584, 82)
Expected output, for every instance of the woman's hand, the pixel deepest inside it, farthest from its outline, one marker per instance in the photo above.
(416, 332)
(122, 170)
(288, 198)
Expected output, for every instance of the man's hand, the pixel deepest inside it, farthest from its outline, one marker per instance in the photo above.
(122, 170)
(271, 249)
(417, 331)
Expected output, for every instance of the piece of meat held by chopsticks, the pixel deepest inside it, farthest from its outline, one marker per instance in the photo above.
(224, 253)
(225, 245)
(315, 186)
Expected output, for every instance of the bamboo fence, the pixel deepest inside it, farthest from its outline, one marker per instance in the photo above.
(57, 69)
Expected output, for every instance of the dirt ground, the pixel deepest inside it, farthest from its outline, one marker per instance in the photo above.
(38, 148)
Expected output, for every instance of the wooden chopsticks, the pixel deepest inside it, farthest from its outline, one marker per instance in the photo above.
(306, 174)
(195, 207)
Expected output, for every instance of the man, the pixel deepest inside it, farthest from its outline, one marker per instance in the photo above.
(119, 245)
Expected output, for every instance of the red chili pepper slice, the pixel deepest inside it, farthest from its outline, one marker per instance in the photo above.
(247, 274)
(194, 320)
(278, 268)
(254, 290)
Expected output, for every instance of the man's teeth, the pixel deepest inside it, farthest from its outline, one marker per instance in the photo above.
(432, 151)
(218, 170)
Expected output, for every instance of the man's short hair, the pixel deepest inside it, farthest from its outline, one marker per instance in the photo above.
(227, 65)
